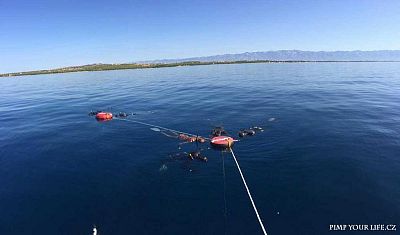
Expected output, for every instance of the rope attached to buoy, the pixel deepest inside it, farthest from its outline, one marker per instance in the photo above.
(248, 192)
(160, 127)
(233, 155)
(224, 176)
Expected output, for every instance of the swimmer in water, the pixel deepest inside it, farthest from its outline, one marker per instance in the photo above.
(246, 132)
(122, 115)
(197, 155)
(218, 131)
(190, 155)
(191, 139)
(94, 113)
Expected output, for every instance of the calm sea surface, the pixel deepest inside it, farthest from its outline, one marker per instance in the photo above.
(330, 152)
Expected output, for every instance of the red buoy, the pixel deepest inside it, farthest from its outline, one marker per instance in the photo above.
(103, 116)
(222, 141)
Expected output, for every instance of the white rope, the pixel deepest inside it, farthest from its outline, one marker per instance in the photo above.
(160, 127)
(225, 208)
(248, 192)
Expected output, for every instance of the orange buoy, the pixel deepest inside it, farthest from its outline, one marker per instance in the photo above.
(222, 141)
(103, 116)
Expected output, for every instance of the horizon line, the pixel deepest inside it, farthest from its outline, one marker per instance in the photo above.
(154, 61)
(125, 66)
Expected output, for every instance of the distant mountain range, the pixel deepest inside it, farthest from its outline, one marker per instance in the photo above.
(288, 56)
(294, 55)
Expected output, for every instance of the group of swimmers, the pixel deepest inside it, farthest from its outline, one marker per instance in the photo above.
(215, 132)
(219, 130)
(191, 139)
(192, 155)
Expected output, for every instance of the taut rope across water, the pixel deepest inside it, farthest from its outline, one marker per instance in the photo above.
(248, 192)
(224, 176)
(160, 127)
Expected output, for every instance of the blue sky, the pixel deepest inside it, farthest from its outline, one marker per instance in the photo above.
(53, 33)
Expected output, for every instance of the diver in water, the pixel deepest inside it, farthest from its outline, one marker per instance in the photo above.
(250, 132)
(186, 158)
(197, 155)
(189, 155)
(257, 128)
(122, 115)
(218, 131)
(246, 132)
(94, 113)
(184, 138)
(191, 139)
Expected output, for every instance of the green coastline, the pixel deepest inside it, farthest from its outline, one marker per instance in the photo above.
(107, 67)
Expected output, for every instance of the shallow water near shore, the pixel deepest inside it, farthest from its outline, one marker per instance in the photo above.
(329, 153)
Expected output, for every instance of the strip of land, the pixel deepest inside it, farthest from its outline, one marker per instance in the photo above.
(105, 67)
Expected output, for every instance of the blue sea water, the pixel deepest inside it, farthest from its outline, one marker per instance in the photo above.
(330, 152)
